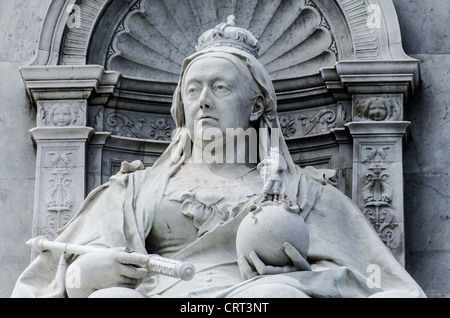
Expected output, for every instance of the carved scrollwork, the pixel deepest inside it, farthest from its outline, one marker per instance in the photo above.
(324, 120)
(59, 196)
(49, 233)
(287, 124)
(60, 159)
(121, 125)
(383, 221)
(311, 122)
(54, 221)
(377, 189)
(377, 194)
(136, 126)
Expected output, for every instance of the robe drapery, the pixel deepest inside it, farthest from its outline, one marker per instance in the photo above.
(343, 247)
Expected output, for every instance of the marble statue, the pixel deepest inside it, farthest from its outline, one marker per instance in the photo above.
(272, 170)
(190, 208)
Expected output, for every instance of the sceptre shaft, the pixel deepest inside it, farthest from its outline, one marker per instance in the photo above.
(153, 263)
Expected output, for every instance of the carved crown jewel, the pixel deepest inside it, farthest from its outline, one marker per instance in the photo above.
(227, 34)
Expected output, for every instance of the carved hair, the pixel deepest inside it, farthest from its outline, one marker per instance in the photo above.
(364, 108)
(54, 108)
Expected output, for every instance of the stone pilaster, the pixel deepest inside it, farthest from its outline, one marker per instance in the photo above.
(378, 174)
(379, 91)
(60, 176)
(62, 96)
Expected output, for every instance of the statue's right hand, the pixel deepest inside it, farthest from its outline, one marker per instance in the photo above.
(99, 270)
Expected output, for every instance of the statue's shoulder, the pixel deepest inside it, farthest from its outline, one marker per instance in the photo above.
(312, 183)
(321, 176)
(135, 170)
(130, 167)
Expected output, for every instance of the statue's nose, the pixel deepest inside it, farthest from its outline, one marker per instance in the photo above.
(206, 101)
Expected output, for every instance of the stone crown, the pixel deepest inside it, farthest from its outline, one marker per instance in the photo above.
(227, 34)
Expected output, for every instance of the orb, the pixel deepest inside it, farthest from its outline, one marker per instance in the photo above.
(266, 229)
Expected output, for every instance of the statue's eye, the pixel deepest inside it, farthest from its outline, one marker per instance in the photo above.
(193, 92)
(221, 89)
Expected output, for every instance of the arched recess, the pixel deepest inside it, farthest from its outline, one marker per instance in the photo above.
(114, 65)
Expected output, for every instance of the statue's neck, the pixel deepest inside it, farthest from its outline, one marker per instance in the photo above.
(222, 156)
(218, 170)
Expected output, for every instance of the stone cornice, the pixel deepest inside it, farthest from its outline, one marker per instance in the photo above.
(69, 82)
(373, 77)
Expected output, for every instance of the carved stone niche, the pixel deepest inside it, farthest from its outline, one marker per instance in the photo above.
(330, 61)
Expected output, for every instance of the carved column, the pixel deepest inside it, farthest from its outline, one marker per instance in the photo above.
(62, 96)
(379, 91)
(378, 174)
(60, 176)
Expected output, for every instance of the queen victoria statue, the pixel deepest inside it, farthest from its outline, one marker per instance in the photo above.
(226, 197)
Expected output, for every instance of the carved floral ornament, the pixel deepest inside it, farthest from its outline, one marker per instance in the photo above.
(312, 122)
(137, 126)
(377, 194)
(59, 194)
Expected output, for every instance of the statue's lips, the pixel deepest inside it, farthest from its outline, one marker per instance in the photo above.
(208, 118)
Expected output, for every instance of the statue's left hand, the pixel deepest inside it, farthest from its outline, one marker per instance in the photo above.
(298, 264)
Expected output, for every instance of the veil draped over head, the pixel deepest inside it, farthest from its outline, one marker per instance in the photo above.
(176, 153)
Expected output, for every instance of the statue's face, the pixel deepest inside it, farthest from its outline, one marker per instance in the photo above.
(377, 111)
(61, 117)
(216, 95)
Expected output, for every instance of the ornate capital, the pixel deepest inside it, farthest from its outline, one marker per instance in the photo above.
(88, 82)
(380, 77)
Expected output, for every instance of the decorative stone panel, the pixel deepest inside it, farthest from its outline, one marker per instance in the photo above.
(60, 181)
(378, 172)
